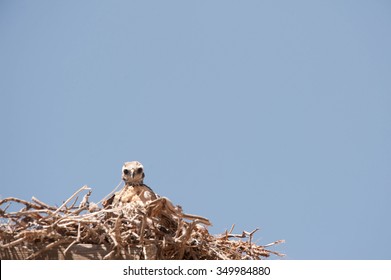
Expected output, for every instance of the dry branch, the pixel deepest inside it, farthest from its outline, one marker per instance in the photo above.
(157, 230)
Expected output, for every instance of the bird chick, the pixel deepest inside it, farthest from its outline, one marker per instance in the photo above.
(134, 191)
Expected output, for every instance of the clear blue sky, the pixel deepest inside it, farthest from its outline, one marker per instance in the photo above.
(270, 114)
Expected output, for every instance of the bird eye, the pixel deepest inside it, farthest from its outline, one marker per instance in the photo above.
(139, 170)
(126, 172)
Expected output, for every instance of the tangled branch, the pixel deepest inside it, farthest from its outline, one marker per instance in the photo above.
(157, 230)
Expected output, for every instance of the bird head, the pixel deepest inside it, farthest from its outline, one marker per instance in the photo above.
(133, 173)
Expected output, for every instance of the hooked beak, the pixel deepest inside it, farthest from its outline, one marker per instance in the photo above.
(132, 173)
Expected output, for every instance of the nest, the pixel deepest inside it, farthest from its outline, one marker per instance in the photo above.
(157, 230)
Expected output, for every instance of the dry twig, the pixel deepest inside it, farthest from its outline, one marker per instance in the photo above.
(158, 230)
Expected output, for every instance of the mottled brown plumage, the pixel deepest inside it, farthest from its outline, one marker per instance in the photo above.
(134, 190)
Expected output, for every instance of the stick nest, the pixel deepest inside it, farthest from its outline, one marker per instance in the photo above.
(156, 230)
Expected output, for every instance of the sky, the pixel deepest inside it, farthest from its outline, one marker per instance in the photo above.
(263, 114)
